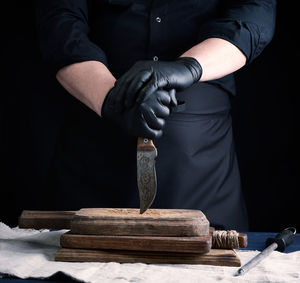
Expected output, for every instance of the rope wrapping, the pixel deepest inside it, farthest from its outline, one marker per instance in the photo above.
(225, 239)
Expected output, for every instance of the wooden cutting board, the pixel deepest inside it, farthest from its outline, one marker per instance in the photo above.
(129, 222)
(119, 221)
(214, 257)
(200, 244)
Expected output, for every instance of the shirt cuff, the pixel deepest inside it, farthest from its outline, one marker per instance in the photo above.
(75, 51)
(242, 35)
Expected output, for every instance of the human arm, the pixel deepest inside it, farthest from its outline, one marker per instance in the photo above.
(236, 37)
(92, 83)
(81, 67)
(226, 43)
(88, 81)
(218, 58)
(78, 64)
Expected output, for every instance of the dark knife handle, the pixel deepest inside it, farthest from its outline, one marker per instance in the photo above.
(282, 239)
(144, 144)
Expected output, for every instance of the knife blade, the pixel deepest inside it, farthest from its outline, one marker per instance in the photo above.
(146, 174)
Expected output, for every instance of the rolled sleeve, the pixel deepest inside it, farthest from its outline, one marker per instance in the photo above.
(62, 28)
(247, 24)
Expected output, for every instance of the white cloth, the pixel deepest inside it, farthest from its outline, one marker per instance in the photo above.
(30, 253)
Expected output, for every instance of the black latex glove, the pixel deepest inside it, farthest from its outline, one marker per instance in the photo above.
(142, 120)
(145, 77)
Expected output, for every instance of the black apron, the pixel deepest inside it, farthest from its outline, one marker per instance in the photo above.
(95, 161)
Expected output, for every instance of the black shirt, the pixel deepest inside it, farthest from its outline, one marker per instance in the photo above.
(120, 32)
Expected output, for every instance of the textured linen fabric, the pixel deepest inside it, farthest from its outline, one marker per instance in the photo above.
(29, 253)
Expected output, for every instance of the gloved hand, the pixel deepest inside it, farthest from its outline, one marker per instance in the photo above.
(142, 120)
(145, 77)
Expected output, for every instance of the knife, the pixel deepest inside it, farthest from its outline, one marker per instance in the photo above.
(146, 175)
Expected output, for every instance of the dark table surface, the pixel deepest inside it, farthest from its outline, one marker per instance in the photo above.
(256, 241)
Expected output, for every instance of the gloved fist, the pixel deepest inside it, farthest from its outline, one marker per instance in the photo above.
(146, 119)
(145, 77)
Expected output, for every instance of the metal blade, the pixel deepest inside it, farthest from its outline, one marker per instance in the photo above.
(146, 175)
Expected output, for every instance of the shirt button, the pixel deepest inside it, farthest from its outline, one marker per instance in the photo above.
(155, 58)
(158, 19)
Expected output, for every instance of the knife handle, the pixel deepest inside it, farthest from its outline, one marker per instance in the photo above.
(283, 239)
(145, 144)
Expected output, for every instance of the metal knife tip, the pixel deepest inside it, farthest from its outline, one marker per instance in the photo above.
(142, 210)
(241, 271)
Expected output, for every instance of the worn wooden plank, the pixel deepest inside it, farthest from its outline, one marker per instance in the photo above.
(129, 222)
(36, 219)
(214, 257)
(200, 244)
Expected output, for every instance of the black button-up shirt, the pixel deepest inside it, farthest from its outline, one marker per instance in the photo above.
(120, 32)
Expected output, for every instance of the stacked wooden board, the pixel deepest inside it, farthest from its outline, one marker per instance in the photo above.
(158, 236)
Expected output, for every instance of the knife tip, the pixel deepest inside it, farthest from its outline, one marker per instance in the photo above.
(142, 210)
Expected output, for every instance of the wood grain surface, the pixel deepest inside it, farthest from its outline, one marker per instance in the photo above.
(129, 222)
(214, 257)
(200, 244)
(36, 219)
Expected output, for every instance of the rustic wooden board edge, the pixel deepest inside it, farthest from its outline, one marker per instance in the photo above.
(35, 219)
(137, 243)
(145, 243)
(140, 229)
(214, 257)
(152, 214)
(128, 221)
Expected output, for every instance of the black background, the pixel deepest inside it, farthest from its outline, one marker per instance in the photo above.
(265, 115)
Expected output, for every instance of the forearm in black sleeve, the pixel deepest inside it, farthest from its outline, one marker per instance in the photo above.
(62, 27)
(248, 24)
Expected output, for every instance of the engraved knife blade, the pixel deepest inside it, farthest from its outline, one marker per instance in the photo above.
(146, 174)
